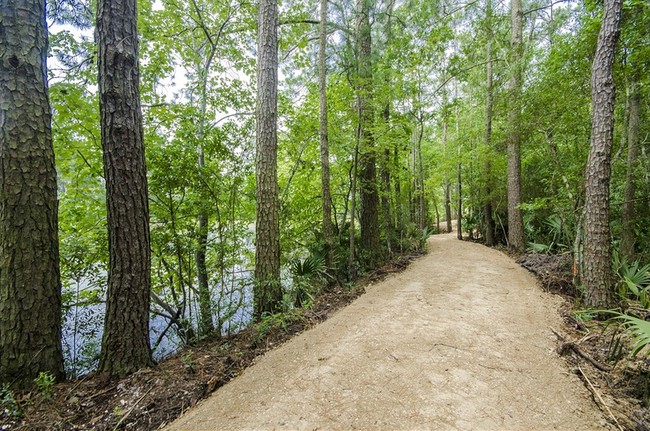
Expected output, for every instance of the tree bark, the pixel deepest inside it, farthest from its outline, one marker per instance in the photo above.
(598, 275)
(268, 290)
(367, 161)
(628, 237)
(385, 173)
(515, 218)
(489, 107)
(324, 142)
(459, 184)
(447, 183)
(206, 326)
(352, 267)
(125, 343)
(30, 285)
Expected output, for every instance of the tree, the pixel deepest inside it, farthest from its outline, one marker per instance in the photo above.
(489, 108)
(30, 286)
(367, 160)
(515, 218)
(268, 291)
(627, 236)
(598, 276)
(125, 342)
(324, 142)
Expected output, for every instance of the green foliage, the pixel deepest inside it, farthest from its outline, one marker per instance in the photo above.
(276, 321)
(637, 328)
(553, 231)
(634, 280)
(8, 403)
(45, 384)
(308, 276)
(188, 361)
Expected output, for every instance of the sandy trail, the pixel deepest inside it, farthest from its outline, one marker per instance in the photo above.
(461, 340)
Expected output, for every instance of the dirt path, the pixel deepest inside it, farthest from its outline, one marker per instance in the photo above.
(459, 341)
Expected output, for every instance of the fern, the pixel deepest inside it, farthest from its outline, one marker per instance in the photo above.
(638, 328)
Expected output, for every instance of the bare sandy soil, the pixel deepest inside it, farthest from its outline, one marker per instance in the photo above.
(461, 340)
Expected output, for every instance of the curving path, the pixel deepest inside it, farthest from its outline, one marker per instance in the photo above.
(458, 341)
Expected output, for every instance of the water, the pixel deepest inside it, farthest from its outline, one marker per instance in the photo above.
(83, 322)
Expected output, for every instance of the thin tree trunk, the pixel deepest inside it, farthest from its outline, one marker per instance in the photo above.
(399, 213)
(30, 285)
(125, 343)
(459, 215)
(447, 183)
(447, 187)
(367, 159)
(489, 107)
(324, 144)
(205, 301)
(268, 291)
(628, 237)
(598, 274)
(515, 218)
(421, 199)
(352, 265)
(459, 184)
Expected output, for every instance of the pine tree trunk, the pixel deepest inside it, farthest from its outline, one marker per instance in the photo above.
(30, 285)
(628, 237)
(324, 142)
(385, 174)
(125, 343)
(515, 219)
(367, 159)
(598, 275)
(268, 291)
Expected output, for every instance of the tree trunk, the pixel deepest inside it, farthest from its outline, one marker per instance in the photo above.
(628, 237)
(352, 266)
(598, 275)
(268, 290)
(385, 174)
(422, 210)
(489, 107)
(459, 215)
(125, 343)
(515, 218)
(399, 213)
(447, 183)
(324, 144)
(206, 325)
(367, 161)
(30, 284)
(447, 187)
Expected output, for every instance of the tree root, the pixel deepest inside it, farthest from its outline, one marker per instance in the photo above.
(567, 346)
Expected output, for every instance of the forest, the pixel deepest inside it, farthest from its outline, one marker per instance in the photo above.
(173, 171)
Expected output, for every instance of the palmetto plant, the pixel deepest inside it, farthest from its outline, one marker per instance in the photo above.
(308, 274)
(638, 328)
(634, 280)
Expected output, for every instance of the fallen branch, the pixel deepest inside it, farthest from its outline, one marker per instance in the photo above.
(131, 409)
(567, 346)
(596, 394)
